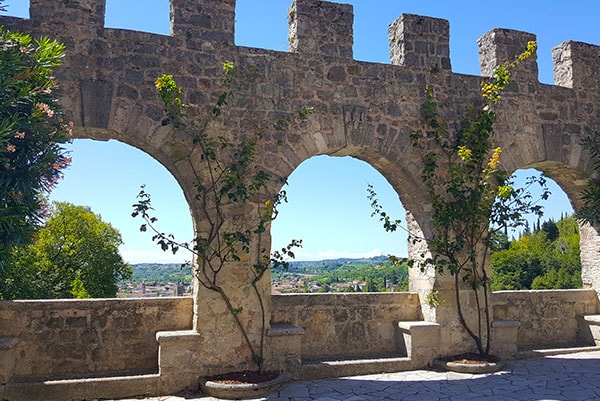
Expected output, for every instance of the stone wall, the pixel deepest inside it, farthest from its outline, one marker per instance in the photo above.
(548, 318)
(347, 325)
(84, 338)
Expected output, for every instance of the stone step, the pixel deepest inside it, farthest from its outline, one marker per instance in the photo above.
(537, 353)
(327, 368)
(82, 389)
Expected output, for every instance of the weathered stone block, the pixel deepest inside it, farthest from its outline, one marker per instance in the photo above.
(321, 27)
(422, 42)
(418, 340)
(504, 337)
(8, 357)
(503, 45)
(285, 348)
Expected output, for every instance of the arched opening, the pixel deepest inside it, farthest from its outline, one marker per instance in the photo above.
(125, 15)
(17, 8)
(544, 254)
(329, 211)
(106, 176)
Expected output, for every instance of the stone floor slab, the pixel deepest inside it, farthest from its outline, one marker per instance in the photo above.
(572, 377)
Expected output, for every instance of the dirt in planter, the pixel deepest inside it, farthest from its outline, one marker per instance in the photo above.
(471, 359)
(244, 377)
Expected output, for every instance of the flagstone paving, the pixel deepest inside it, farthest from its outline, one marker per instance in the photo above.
(569, 377)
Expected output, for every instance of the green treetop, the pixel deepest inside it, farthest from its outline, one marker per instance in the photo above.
(75, 255)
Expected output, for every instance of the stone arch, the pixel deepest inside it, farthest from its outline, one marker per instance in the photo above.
(329, 195)
(116, 172)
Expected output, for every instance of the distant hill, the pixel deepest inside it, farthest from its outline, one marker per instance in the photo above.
(322, 266)
(157, 273)
(161, 273)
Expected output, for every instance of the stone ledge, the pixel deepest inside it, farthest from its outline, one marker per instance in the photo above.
(421, 325)
(538, 353)
(79, 389)
(320, 368)
(177, 336)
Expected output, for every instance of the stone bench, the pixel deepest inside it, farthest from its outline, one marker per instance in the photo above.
(418, 340)
(588, 329)
(504, 337)
(285, 342)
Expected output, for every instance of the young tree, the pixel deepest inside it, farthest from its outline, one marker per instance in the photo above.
(228, 181)
(31, 133)
(472, 197)
(75, 255)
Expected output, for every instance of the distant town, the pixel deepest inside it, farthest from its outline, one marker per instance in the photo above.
(340, 275)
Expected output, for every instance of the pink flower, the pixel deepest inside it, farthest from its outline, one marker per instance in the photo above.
(46, 109)
(70, 126)
(11, 148)
(20, 135)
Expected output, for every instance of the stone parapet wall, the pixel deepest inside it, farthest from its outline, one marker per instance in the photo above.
(548, 318)
(84, 338)
(335, 325)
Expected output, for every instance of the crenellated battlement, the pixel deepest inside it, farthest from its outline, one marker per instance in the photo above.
(324, 28)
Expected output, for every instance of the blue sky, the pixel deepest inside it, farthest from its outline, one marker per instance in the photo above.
(327, 206)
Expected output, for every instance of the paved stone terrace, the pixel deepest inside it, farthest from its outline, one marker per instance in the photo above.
(570, 377)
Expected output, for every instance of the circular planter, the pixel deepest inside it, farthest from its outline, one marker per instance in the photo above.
(241, 390)
(473, 368)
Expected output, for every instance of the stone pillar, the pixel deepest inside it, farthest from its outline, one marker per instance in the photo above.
(429, 281)
(321, 27)
(223, 346)
(501, 45)
(417, 41)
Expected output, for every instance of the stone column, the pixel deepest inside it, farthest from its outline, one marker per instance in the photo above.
(430, 284)
(225, 348)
